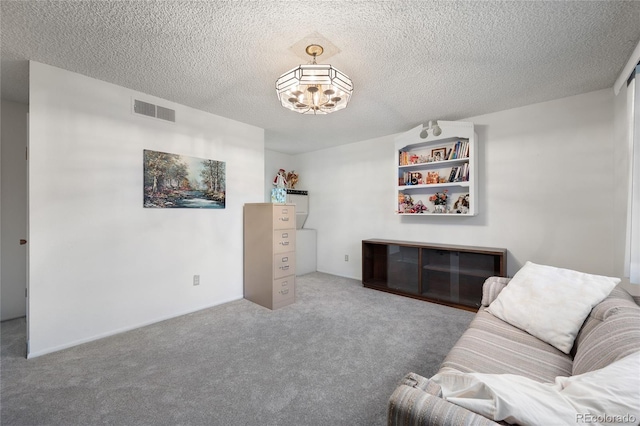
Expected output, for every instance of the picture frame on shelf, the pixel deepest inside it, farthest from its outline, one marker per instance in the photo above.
(439, 154)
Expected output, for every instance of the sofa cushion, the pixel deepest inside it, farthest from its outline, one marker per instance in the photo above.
(609, 393)
(551, 303)
(490, 345)
(611, 332)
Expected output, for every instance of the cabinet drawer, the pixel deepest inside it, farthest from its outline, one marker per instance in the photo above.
(284, 240)
(284, 264)
(284, 217)
(284, 288)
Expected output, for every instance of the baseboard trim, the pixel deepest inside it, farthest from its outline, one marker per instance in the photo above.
(125, 329)
(340, 275)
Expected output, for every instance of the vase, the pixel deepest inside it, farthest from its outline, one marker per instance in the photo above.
(440, 208)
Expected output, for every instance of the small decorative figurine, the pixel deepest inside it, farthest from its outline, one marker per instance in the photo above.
(432, 177)
(416, 178)
(420, 207)
(280, 181)
(405, 203)
(462, 204)
(292, 179)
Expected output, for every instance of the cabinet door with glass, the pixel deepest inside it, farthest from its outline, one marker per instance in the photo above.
(392, 267)
(448, 274)
(457, 276)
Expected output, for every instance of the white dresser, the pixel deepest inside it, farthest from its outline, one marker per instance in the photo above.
(269, 254)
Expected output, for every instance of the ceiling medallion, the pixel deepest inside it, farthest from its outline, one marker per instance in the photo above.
(314, 88)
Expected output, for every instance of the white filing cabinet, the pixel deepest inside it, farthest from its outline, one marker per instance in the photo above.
(270, 254)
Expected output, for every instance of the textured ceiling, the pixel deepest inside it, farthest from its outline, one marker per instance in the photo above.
(410, 61)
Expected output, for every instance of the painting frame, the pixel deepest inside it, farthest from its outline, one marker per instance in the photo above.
(181, 181)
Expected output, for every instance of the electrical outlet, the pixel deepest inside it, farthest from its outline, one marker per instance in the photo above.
(346, 257)
(196, 280)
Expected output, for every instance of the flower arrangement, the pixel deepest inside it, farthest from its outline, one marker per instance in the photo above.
(406, 205)
(439, 198)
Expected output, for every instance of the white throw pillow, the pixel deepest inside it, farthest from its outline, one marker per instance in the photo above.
(551, 303)
(606, 396)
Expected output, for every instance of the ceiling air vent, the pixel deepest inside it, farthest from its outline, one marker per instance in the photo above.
(155, 111)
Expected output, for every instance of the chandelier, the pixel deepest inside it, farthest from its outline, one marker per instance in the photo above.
(314, 88)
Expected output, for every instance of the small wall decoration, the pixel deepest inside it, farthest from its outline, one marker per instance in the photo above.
(180, 181)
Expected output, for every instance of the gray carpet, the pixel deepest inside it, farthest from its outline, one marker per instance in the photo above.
(332, 358)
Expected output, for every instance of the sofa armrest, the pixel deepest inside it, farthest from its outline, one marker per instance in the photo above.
(491, 288)
(417, 381)
(412, 406)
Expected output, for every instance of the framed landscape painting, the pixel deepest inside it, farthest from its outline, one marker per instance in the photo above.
(179, 181)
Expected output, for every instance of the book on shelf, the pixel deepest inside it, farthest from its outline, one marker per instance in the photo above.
(403, 158)
(452, 175)
(459, 150)
(454, 151)
(459, 173)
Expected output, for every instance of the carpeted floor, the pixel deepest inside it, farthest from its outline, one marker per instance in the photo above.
(332, 358)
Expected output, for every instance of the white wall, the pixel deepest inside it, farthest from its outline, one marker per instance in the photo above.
(100, 263)
(545, 191)
(13, 262)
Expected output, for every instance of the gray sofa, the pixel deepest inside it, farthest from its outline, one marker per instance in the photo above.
(490, 345)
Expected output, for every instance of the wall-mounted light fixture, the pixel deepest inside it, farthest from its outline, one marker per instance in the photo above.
(433, 127)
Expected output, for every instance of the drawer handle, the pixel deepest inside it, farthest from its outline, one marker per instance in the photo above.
(284, 219)
(284, 243)
(285, 259)
(285, 267)
(285, 291)
(285, 235)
